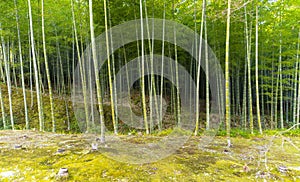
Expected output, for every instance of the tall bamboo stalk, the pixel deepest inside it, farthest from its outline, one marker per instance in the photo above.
(82, 72)
(248, 46)
(298, 104)
(47, 71)
(227, 81)
(36, 73)
(22, 69)
(143, 71)
(8, 81)
(162, 71)
(198, 71)
(96, 69)
(256, 71)
(207, 71)
(2, 109)
(111, 92)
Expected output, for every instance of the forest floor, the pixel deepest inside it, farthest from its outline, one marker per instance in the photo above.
(36, 156)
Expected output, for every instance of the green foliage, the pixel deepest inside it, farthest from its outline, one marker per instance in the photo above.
(290, 133)
(237, 133)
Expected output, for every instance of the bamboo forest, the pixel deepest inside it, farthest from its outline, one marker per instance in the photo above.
(149, 90)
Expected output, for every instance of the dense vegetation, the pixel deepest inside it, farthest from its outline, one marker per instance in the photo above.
(41, 44)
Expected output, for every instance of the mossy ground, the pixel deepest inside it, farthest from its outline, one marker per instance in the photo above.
(38, 159)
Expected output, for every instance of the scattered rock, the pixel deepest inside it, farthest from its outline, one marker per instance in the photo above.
(246, 168)
(282, 169)
(263, 175)
(63, 173)
(229, 144)
(18, 147)
(94, 146)
(7, 174)
(226, 151)
(101, 140)
(62, 150)
(24, 137)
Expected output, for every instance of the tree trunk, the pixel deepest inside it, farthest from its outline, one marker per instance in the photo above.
(96, 69)
(143, 71)
(47, 71)
(199, 70)
(82, 72)
(256, 72)
(36, 73)
(111, 92)
(227, 84)
(248, 45)
(2, 110)
(22, 70)
(8, 81)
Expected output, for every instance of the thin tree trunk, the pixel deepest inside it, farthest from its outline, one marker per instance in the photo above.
(256, 72)
(227, 84)
(127, 78)
(238, 97)
(248, 45)
(199, 70)
(96, 69)
(30, 69)
(59, 66)
(111, 92)
(152, 77)
(178, 108)
(1, 69)
(272, 96)
(280, 74)
(207, 71)
(2, 110)
(80, 63)
(162, 71)
(298, 104)
(143, 71)
(114, 70)
(8, 81)
(244, 112)
(295, 88)
(276, 101)
(22, 69)
(69, 73)
(280, 84)
(47, 71)
(12, 60)
(36, 74)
